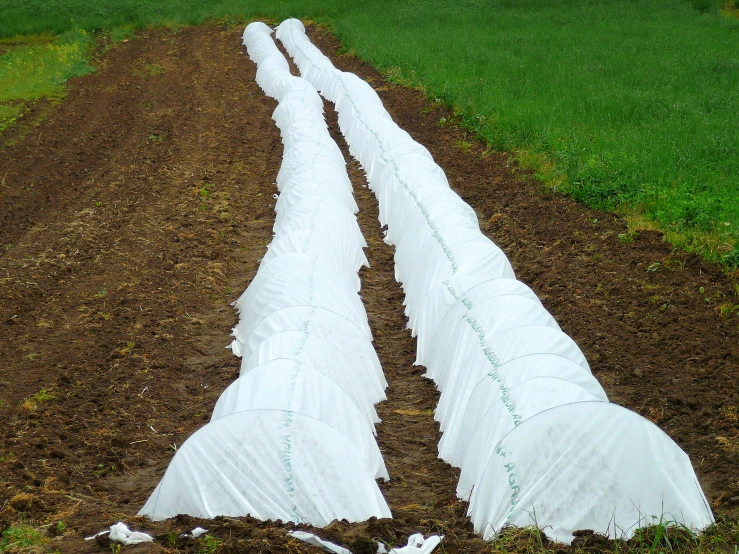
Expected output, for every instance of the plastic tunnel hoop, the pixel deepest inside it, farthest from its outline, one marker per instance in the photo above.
(518, 341)
(271, 465)
(296, 107)
(426, 296)
(322, 356)
(286, 385)
(322, 214)
(306, 189)
(297, 288)
(513, 345)
(476, 289)
(502, 349)
(317, 332)
(434, 198)
(333, 373)
(295, 157)
(308, 96)
(322, 322)
(317, 243)
(307, 139)
(498, 383)
(320, 263)
(478, 326)
(582, 466)
(326, 162)
(332, 176)
(473, 447)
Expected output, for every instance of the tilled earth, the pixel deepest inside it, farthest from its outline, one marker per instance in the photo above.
(140, 208)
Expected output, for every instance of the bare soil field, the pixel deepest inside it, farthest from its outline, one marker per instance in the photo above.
(140, 208)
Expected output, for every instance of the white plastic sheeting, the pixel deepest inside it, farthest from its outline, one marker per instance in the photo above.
(304, 284)
(285, 385)
(269, 464)
(587, 465)
(536, 395)
(315, 540)
(314, 351)
(474, 335)
(474, 290)
(498, 381)
(520, 411)
(323, 323)
(305, 189)
(346, 337)
(310, 242)
(325, 215)
(293, 438)
(120, 532)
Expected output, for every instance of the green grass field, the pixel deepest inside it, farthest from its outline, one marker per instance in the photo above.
(628, 105)
(38, 66)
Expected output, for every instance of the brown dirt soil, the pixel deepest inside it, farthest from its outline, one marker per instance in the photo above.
(140, 208)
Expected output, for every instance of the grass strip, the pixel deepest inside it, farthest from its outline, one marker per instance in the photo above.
(36, 67)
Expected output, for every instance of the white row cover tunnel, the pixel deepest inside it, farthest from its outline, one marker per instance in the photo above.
(293, 438)
(522, 416)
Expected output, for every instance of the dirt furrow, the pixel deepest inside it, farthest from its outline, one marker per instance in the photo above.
(421, 489)
(420, 492)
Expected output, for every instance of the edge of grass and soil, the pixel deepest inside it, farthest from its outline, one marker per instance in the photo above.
(33, 75)
(696, 223)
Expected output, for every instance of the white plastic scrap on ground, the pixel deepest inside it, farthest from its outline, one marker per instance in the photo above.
(293, 438)
(315, 540)
(416, 544)
(120, 532)
(521, 413)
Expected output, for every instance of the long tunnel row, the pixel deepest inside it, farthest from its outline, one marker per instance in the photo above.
(293, 438)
